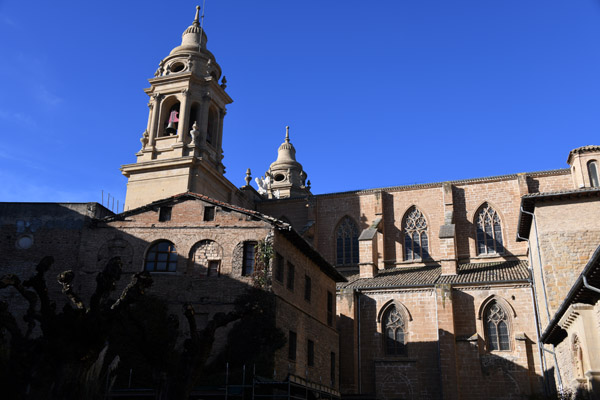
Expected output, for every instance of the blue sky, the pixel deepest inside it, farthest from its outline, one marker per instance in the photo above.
(378, 93)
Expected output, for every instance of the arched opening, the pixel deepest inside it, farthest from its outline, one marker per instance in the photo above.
(593, 173)
(211, 128)
(170, 119)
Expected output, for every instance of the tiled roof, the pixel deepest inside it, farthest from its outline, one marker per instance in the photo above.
(582, 149)
(490, 272)
(504, 271)
(407, 276)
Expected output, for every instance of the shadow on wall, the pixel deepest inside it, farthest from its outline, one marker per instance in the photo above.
(426, 369)
(184, 319)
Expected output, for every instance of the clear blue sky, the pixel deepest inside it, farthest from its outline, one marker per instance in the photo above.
(379, 93)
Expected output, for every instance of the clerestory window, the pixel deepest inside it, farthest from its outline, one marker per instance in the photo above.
(347, 242)
(416, 241)
(489, 231)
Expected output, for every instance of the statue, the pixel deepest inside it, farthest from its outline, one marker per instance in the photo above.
(263, 184)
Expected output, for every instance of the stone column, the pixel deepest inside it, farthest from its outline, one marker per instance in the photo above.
(156, 103)
(183, 112)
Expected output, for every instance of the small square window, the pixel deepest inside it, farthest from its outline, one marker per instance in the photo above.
(164, 214)
(209, 213)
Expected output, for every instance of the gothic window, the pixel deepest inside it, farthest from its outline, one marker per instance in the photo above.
(489, 231)
(416, 241)
(161, 257)
(347, 242)
(593, 173)
(394, 330)
(496, 327)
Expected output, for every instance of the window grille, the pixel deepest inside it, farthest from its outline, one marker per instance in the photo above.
(489, 231)
(416, 241)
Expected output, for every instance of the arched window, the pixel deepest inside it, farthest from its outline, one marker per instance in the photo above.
(593, 173)
(489, 231)
(416, 242)
(161, 257)
(394, 331)
(496, 327)
(347, 242)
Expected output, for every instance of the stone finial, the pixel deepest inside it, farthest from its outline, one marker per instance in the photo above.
(287, 134)
(194, 133)
(144, 139)
(197, 17)
(248, 177)
(308, 184)
(224, 82)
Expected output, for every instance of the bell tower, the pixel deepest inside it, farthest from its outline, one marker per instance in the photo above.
(181, 146)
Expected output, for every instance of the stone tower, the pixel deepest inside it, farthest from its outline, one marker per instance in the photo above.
(285, 177)
(181, 146)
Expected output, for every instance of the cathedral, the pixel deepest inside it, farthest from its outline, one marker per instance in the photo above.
(483, 288)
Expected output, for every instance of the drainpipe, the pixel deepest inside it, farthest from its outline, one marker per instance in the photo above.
(537, 240)
(541, 349)
(358, 295)
(588, 286)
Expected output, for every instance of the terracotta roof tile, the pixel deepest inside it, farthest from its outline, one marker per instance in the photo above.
(503, 271)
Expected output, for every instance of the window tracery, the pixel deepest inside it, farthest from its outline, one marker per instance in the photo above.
(489, 231)
(416, 241)
(347, 242)
(394, 328)
(497, 332)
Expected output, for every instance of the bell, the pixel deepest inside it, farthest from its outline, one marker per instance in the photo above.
(170, 128)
